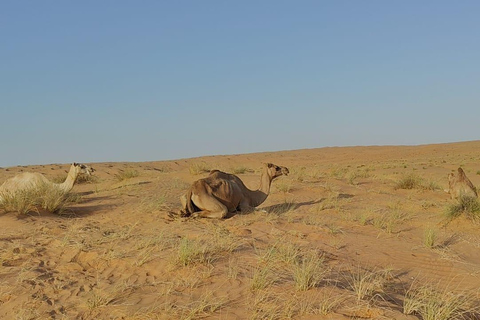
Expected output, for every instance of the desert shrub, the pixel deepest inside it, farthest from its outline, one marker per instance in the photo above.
(434, 304)
(45, 196)
(429, 237)
(366, 283)
(198, 168)
(241, 170)
(410, 181)
(126, 174)
(467, 205)
(308, 271)
(81, 179)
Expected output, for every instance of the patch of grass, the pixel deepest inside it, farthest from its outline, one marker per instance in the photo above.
(327, 302)
(431, 185)
(206, 305)
(429, 237)
(44, 196)
(366, 283)
(262, 278)
(265, 306)
(284, 187)
(199, 168)
(409, 181)
(241, 170)
(153, 203)
(126, 174)
(308, 272)
(433, 304)
(22, 201)
(338, 172)
(466, 205)
(191, 252)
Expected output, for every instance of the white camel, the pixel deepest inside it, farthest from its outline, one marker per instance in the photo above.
(34, 180)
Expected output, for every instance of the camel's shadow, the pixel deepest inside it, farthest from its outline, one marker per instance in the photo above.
(285, 207)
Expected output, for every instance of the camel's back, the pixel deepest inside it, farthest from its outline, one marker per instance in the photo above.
(216, 175)
(23, 181)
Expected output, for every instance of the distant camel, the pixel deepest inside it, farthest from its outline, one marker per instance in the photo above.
(220, 193)
(459, 185)
(28, 180)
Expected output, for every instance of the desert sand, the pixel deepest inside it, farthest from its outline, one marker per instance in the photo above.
(116, 253)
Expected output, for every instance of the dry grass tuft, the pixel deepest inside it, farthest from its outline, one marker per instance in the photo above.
(126, 174)
(432, 303)
(47, 197)
(365, 284)
(409, 181)
(467, 205)
(309, 271)
(199, 168)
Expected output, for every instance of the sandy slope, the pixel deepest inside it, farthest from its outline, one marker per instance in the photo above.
(117, 253)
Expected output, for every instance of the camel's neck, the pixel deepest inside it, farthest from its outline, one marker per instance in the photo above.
(67, 185)
(257, 197)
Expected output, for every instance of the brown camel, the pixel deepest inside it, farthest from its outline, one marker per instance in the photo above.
(220, 193)
(459, 185)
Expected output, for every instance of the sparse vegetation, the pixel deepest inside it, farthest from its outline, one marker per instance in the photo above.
(429, 237)
(241, 170)
(409, 181)
(432, 303)
(126, 174)
(46, 197)
(120, 255)
(199, 168)
(308, 271)
(365, 283)
(467, 205)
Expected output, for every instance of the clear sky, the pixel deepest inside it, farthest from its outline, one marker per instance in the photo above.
(92, 81)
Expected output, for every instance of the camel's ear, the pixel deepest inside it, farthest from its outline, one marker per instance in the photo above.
(75, 164)
(270, 165)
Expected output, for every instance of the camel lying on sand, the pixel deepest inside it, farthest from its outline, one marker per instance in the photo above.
(459, 185)
(220, 193)
(32, 180)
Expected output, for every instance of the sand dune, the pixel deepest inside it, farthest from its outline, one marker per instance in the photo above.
(115, 253)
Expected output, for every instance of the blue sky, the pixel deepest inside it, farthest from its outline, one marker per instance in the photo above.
(92, 81)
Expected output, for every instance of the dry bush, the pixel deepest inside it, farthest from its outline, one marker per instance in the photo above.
(365, 284)
(308, 271)
(241, 170)
(467, 205)
(198, 168)
(429, 237)
(431, 303)
(44, 196)
(126, 174)
(409, 181)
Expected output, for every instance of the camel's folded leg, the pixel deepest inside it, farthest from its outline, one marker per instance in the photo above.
(211, 208)
(211, 214)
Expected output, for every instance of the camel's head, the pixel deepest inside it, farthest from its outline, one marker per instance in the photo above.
(82, 168)
(275, 171)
